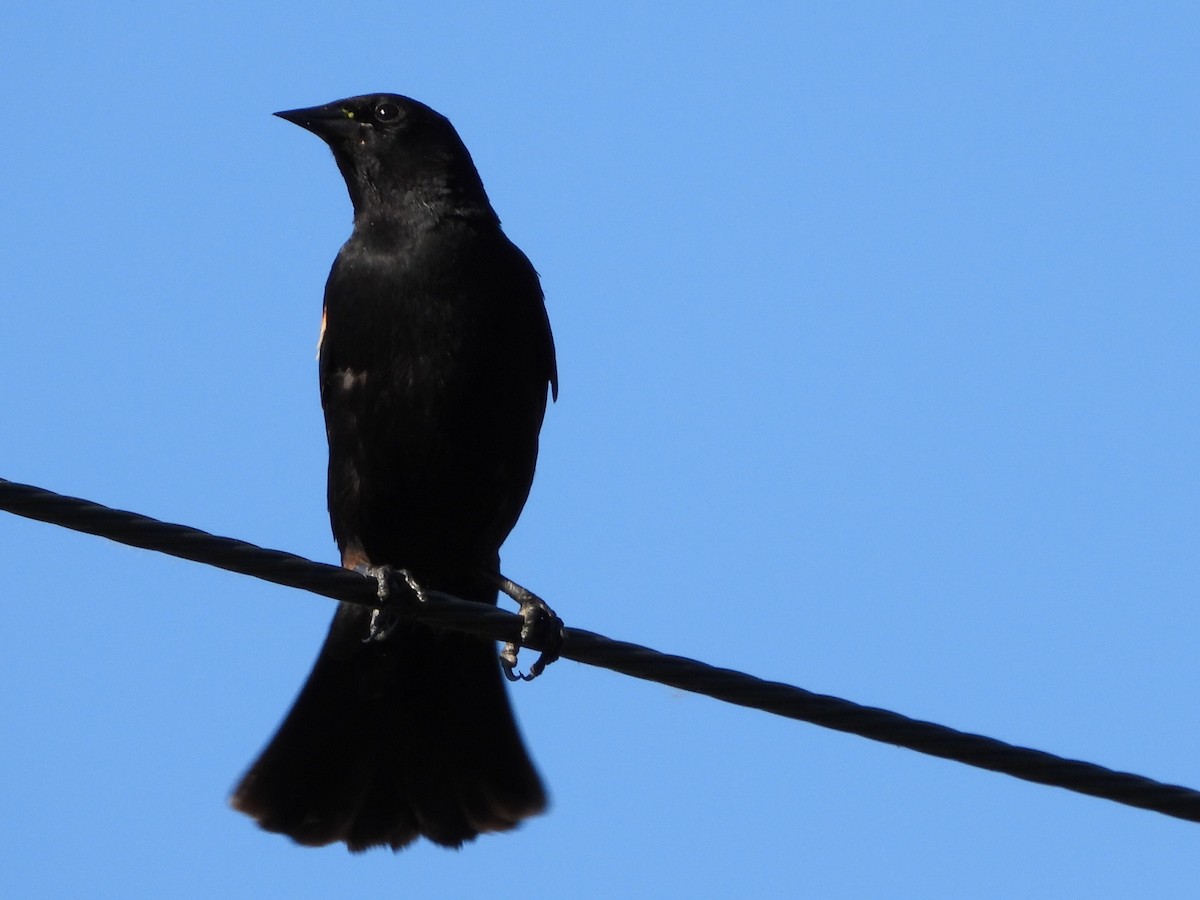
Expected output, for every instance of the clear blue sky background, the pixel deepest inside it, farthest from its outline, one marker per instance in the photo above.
(878, 336)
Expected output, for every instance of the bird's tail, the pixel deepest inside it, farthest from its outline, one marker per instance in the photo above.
(393, 739)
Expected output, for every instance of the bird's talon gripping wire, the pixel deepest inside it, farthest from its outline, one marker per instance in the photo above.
(397, 591)
(539, 624)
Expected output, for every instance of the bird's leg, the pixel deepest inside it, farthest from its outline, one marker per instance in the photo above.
(539, 624)
(397, 591)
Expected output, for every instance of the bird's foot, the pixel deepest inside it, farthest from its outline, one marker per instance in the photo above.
(398, 592)
(539, 624)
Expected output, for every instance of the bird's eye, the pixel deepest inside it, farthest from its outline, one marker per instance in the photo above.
(387, 112)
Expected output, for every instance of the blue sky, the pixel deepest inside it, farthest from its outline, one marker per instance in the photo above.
(877, 329)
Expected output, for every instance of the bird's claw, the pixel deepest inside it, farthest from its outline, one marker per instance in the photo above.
(539, 624)
(397, 591)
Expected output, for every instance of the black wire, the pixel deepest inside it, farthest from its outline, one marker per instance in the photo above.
(594, 649)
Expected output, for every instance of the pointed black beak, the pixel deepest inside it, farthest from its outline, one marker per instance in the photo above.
(326, 122)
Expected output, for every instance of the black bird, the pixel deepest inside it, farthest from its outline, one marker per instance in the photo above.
(435, 361)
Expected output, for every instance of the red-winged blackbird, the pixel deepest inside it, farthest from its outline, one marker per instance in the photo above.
(435, 361)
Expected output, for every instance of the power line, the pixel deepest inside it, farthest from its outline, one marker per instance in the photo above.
(445, 611)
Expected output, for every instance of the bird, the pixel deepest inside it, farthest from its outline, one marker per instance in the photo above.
(436, 362)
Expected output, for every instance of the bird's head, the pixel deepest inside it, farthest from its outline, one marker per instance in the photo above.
(393, 152)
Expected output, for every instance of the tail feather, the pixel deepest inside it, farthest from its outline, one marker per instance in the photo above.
(395, 739)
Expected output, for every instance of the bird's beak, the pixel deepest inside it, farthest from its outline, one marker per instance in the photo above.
(326, 122)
